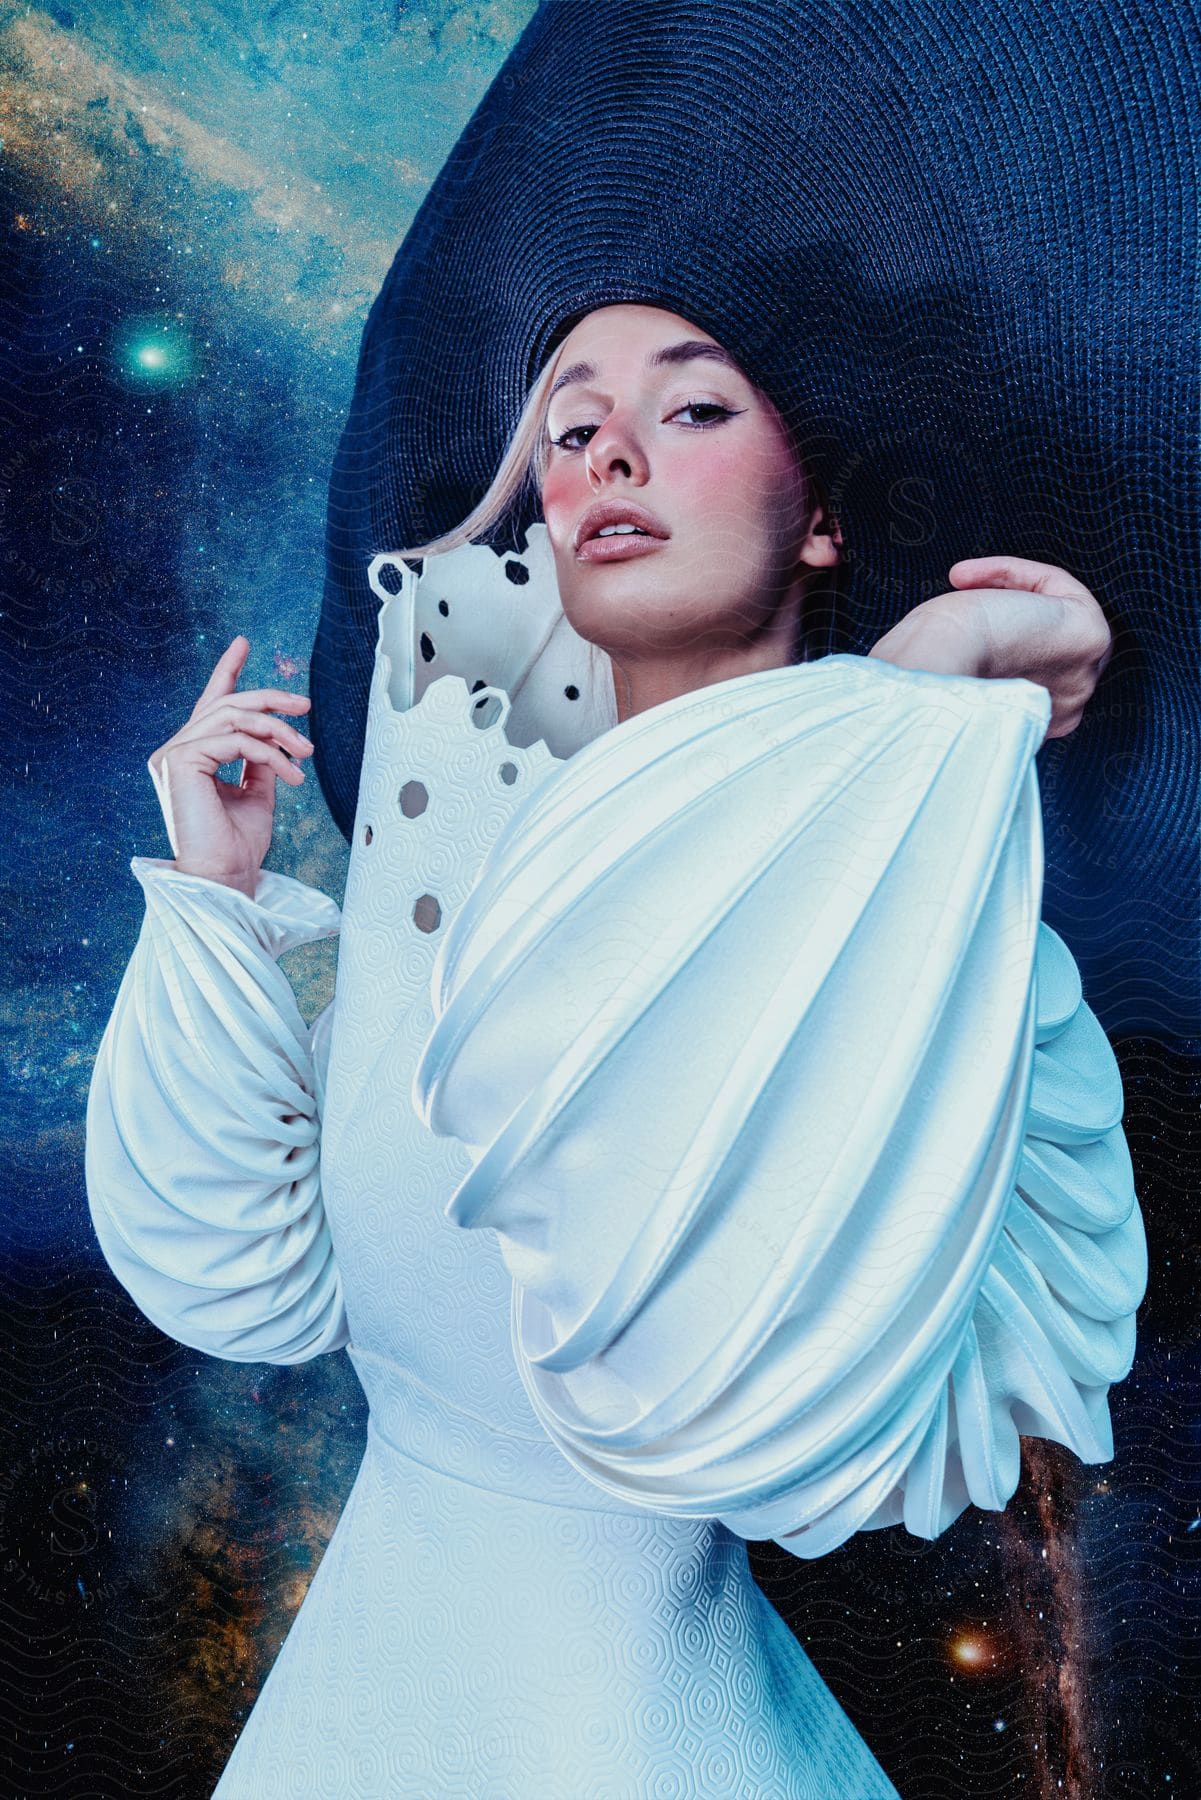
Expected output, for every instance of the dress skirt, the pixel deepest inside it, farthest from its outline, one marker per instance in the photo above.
(458, 1641)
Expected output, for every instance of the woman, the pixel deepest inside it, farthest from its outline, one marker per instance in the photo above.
(729, 597)
(527, 1593)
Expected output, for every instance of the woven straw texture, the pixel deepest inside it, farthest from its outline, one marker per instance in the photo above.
(956, 245)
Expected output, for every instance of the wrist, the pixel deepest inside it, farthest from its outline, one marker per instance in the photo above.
(241, 882)
(935, 639)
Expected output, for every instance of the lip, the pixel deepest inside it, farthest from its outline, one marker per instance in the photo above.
(617, 549)
(615, 512)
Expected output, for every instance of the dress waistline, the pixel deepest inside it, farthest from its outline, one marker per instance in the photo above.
(409, 1420)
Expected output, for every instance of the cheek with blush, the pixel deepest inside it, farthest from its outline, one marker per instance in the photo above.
(725, 514)
(565, 494)
(713, 489)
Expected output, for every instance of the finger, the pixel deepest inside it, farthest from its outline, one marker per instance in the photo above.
(225, 717)
(258, 780)
(1017, 572)
(249, 700)
(224, 678)
(227, 746)
(274, 699)
(235, 718)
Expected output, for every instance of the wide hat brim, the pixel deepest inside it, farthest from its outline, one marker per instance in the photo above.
(953, 246)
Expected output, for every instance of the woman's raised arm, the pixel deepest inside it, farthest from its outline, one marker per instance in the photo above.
(202, 1157)
(1007, 618)
(799, 1140)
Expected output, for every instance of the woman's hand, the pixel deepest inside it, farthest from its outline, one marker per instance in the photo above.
(217, 829)
(1010, 617)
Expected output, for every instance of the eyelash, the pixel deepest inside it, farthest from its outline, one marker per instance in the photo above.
(727, 412)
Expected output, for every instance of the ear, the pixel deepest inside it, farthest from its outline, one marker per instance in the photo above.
(822, 544)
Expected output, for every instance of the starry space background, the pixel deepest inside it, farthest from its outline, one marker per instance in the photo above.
(198, 205)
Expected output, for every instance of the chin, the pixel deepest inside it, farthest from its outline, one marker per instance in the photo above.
(616, 598)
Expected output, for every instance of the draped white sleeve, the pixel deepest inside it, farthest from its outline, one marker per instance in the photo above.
(202, 1150)
(802, 1147)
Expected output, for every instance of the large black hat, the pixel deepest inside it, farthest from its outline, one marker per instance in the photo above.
(954, 241)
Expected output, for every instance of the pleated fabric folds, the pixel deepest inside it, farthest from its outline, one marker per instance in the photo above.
(802, 1147)
(202, 1149)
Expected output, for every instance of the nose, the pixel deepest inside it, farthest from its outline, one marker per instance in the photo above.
(615, 448)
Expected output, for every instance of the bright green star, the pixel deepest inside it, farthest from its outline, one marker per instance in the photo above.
(154, 353)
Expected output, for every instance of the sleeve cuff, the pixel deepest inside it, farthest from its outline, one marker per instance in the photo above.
(284, 912)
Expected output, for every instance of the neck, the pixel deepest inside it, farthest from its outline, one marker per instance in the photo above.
(642, 682)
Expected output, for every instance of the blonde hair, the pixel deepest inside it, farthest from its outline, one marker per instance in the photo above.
(521, 471)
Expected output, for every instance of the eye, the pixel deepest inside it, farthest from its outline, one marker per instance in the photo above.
(561, 442)
(711, 406)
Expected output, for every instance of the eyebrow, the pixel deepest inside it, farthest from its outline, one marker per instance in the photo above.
(687, 350)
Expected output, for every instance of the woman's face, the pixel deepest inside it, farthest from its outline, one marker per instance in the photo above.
(655, 420)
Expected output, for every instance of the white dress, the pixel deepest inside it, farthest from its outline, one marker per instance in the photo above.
(736, 1158)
